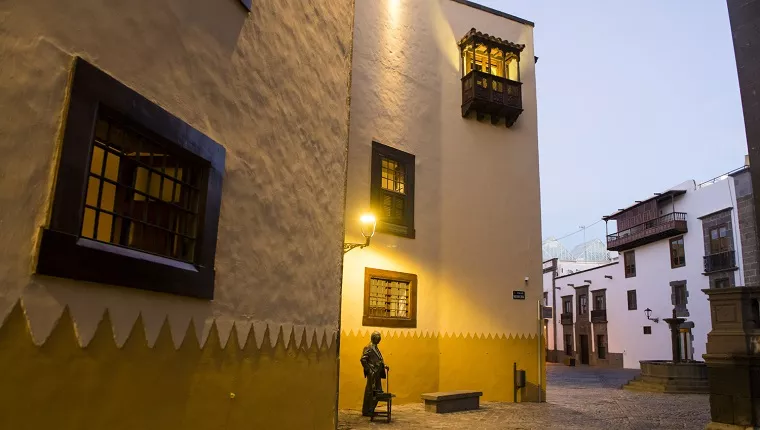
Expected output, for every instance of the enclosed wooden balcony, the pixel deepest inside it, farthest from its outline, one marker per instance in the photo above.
(668, 225)
(491, 77)
(491, 95)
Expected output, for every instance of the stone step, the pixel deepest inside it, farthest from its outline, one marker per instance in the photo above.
(646, 386)
(643, 387)
(684, 382)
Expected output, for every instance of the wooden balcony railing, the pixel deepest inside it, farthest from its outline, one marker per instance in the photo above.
(493, 95)
(647, 232)
(566, 318)
(599, 316)
(720, 261)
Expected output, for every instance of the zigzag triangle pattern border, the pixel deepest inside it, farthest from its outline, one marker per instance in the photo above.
(66, 325)
(427, 334)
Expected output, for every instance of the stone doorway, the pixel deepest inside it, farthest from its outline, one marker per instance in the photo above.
(584, 349)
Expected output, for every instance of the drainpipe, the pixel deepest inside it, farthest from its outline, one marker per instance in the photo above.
(540, 343)
(554, 304)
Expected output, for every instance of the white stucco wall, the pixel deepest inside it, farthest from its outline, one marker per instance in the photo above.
(652, 283)
(563, 268)
(477, 206)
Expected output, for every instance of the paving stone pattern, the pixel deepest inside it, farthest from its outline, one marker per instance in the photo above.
(578, 398)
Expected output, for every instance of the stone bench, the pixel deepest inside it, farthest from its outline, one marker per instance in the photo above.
(452, 401)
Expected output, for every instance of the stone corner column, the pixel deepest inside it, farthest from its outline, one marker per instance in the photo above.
(733, 358)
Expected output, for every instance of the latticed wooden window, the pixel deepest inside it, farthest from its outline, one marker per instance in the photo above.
(139, 195)
(390, 298)
(392, 192)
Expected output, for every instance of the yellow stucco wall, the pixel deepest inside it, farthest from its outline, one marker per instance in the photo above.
(477, 205)
(271, 86)
(60, 385)
(428, 362)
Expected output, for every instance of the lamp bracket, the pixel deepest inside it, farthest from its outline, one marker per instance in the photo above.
(349, 246)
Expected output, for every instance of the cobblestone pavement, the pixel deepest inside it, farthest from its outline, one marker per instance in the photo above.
(578, 398)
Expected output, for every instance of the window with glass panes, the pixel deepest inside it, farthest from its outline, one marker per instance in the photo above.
(629, 260)
(677, 252)
(394, 196)
(600, 301)
(719, 241)
(139, 195)
(390, 298)
(567, 305)
(582, 304)
(392, 190)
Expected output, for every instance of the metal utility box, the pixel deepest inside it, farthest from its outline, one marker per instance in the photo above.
(520, 379)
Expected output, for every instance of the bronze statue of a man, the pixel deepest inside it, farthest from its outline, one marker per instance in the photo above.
(374, 371)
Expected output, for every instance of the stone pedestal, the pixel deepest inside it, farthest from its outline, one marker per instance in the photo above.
(733, 357)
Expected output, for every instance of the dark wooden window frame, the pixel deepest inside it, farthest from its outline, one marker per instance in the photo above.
(601, 347)
(582, 304)
(630, 269)
(62, 250)
(568, 344)
(405, 228)
(647, 329)
(680, 295)
(632, 304)
(567, 305)
(595, 295)
(718, 283)
(375, 321)
(720, 248)
(673, 258)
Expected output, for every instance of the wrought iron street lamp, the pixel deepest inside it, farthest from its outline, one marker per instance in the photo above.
(368, 224)
(648, 313)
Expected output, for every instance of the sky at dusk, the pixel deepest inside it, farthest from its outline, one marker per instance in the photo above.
(634, 97)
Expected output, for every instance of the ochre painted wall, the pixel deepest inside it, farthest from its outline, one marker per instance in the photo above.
(477, 206)
(271, 86)
(426, 363)
(412, 358)
(60, 385)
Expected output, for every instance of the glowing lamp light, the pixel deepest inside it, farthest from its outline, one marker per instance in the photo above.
(368, 224)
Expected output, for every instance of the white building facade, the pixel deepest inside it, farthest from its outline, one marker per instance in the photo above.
(673, 245)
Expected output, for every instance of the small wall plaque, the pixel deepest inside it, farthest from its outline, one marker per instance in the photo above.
(518, 295)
